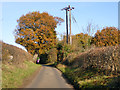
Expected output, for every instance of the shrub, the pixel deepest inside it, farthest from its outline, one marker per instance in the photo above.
(105, 59)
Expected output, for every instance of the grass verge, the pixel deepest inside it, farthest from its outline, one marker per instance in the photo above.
(89, 79)
(13, 77)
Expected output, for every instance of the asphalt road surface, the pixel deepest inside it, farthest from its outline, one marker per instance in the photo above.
(49, 77)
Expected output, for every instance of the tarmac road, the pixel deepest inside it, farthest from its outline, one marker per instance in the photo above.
(48, 77)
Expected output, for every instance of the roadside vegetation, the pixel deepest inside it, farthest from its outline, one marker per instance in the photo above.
(92, 62)
(17, 65)
(13, 77)
(84, 72)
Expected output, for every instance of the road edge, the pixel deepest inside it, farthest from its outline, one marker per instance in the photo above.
(66, 79)
(28, 80)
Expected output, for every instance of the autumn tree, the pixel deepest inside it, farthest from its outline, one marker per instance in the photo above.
(80, 41)
(106, 37)
(83, 39)
(36, 31)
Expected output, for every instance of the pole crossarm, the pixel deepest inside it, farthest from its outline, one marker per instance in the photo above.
(66, 8)
(71, 8)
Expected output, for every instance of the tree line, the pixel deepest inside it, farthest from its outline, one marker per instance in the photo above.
(36, 32)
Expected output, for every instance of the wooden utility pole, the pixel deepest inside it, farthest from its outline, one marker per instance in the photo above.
(70, 23)
(67, 25)
(68, 9)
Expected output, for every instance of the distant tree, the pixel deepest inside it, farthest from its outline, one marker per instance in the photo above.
(82, 40)
(106, 37)
(90, 30)
(36, 31)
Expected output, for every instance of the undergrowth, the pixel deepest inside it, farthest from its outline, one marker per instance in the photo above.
(90, 79)
(95, 68)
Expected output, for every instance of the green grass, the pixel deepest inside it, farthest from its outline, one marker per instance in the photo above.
(89, 79)
(62, 69)
(12, 76)
(98, 81)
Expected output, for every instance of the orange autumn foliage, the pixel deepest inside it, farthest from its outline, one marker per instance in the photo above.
(36, 31)
(106, 37)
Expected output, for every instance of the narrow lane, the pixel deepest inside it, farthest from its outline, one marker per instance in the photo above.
(49, 77)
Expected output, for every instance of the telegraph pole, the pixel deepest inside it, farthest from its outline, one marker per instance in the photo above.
(66, 8)
(67, 25)
(70, 23)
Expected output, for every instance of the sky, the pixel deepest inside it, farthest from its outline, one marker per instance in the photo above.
(100, 14)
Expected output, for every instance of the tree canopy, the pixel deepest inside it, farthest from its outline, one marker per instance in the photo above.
(82, 39)
(106, 37)
(36, 31)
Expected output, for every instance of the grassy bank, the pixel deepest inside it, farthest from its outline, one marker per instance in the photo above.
(13, 76)
(89, 79)
(94, 68)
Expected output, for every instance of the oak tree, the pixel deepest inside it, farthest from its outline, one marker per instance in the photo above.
(36, 31)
